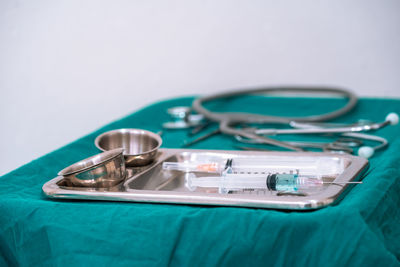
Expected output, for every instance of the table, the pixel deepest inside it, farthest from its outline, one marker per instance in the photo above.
(363, 229)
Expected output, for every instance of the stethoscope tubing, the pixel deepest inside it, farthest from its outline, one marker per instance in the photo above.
(227, 120)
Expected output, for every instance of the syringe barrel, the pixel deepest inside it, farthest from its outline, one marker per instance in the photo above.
(273, 182)
(255, 165)
(193, 166)
(305, 166)
(228, 182)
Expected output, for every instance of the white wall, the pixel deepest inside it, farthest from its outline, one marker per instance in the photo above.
(61, 60)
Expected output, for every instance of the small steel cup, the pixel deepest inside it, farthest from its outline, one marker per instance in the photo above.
(140, 146)
(100, 171)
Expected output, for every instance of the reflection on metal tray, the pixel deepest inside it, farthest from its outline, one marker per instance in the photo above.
(154, 184)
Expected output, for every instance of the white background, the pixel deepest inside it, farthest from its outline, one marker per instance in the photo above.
(69, 67)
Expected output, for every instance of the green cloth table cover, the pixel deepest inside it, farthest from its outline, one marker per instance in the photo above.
(363, 229)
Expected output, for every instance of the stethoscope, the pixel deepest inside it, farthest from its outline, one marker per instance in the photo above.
(350, 136)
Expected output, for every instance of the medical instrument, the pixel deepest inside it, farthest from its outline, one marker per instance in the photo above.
(363, 151)
(346, 144)
(99, 171)
(228, 121)
(273, 182)
(200, 127)
(201, 138)
(140, 146)
(154, 184)
(251, 165)
(367, 151)
(326, 128)
(343, 144)
(351, 136)
(183, 118)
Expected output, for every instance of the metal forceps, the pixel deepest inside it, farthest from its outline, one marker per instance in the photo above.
(341, 145)
(350, 136)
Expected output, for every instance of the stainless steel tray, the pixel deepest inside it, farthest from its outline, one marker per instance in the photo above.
(155, 185)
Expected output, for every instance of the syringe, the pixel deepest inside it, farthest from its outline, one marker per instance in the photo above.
(195, 166)
(273, 182)
(323, 166)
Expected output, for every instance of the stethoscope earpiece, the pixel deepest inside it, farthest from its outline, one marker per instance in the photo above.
(366, 152)
(392, 118)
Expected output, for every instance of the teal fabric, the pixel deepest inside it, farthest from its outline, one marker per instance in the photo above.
(363, 229)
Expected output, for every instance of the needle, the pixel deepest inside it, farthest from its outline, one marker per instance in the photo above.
(360, 182)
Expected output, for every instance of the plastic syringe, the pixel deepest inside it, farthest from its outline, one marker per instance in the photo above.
(273, 182)
(323, 166)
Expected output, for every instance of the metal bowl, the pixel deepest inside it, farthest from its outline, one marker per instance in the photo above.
(140, 146)
(99, 171)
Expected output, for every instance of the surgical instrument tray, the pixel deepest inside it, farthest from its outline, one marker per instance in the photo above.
(154, 184)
